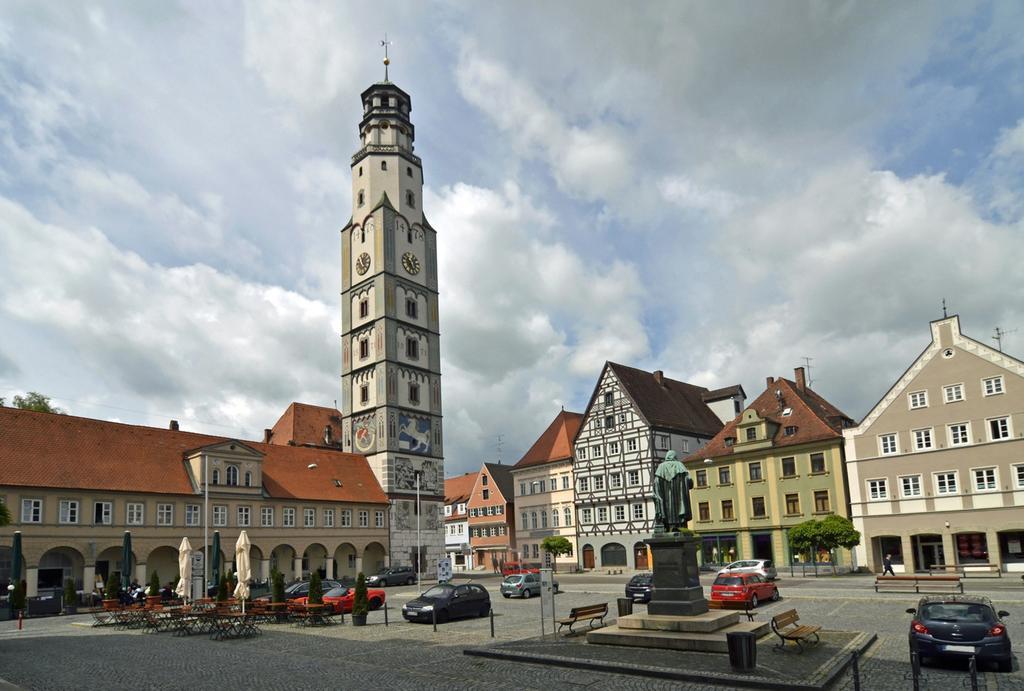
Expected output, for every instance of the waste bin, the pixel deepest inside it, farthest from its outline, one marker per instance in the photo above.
(625, 606)
(742, 649)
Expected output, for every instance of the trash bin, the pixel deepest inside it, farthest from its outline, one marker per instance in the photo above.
(625, 606)
(742, 649)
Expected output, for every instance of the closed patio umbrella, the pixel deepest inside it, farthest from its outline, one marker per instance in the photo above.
(126, 560)
(16, 562)
(243, 569)
(184, 568)
(216, 558)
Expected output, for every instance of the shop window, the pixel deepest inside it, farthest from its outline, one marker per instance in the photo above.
(971, 548)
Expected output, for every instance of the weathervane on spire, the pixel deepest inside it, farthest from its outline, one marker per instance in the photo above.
(387, 61)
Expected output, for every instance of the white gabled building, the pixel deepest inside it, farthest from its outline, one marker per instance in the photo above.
(632, 420)
(456, 520)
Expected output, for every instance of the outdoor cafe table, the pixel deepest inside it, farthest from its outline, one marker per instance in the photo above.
(233, 625)
(313, 614)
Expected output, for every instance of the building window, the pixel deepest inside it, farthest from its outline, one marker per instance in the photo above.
(992, 385)
(638, 512)
(633, 477)
(408, 171)
(586, 515)
(309, 518)
(486, 494)
(609, 398)
(910, 485)
(888, 444)
(525, 520)
(410, 199)
(68, 511)
(725, 476)
(484, 480)
(792, 504)
(754, 469)
(922, 439)
(602, 514)
(567, 515)
(581, 453)
(959, 435)
(329, 517)
(999, 428)
(751, 433)
(31, 510)
(220, 515)
(878, 489)
(384, 165)
(536, 487)
(412, 348)
(945, 483)
(533, 520)
(609, 422)
(414, 393)
(536, 551)
(232, 476)
(411, 308)
(598, 483)
(918, 399)
(727, 510)
(757, 505)
(165, 514)
(631, 445)
(543, 519)
(346, 518)
(361, 198)
(289, 517)
(552, 484)
(817, 463)
(595, 451)
(364, 348)
(216, 476)
(364, 308)
(615, 480)
(620, 512)
(702, 478)
(364, 519)
(248, 479)
(703, 511)
(1019, 473)
(821, 503)
(364, 393)
(985, 479)
(103, 513)
(613, 448)
(378, 519)
(554, 518)
(522, 489)
(953, 393)
(267, 516)
(136, 513)
(790, 430)
(662, 441)
(789, 467)
(243, 516)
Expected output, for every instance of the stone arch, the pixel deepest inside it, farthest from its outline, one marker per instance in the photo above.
(374, 557)
(108, 563)
(314, 558)
(346, 560)
(164, 561)
(282, 558)
(58, 564)
(6, 555)
(613, 554)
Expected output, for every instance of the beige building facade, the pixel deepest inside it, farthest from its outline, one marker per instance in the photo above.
(936, 469)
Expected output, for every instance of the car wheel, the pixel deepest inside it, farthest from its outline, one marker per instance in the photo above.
(1006, 665)
(382, 583)
(506, 595)
(526, 594)
(375, 603)
(486, 609)
(775, 595)
(753, 601)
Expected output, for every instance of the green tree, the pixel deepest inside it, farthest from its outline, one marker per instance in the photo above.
(359, 603)
(5, 514)
(112, 587)
(316, 592)
(222, 588)
(37, 402)
(829, 534)
(154, 585)
(277, 586)
(556, 545)
(70, 594)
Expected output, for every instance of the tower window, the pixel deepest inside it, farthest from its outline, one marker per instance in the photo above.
(361, 198)
(408, 171)
(362, 235)
(364, 348)
(383, 165)
(408, 236)
(414, 393)
(410, 199)
(364, 393)
(412, 348)
(364, 308)
(411, 308)
(360, 171)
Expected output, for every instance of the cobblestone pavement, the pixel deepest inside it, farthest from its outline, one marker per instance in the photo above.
(64, 652)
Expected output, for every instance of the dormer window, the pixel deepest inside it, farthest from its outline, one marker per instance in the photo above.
(751, 433)
(786, 412)
(729, 441)
(790, 430)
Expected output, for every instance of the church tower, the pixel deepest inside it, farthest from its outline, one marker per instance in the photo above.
(391, 364)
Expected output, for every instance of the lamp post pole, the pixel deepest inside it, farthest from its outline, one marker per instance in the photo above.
(419, 559)
(206, 523)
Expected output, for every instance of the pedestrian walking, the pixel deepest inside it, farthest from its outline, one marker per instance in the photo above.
(887, 564)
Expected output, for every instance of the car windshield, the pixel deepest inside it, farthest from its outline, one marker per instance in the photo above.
(336, 592)
(640, 580)
(295, 587)
(438, 591)
(513, 579)
(958, 611)
(728, 580)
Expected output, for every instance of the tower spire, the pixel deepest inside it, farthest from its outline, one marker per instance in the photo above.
(387, 61)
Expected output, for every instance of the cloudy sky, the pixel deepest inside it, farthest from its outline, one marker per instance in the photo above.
(713, 189)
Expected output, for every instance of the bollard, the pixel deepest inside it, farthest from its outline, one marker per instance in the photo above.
(433, 615)
(385, 614)
(915, 668)
(21, 618)
(492, 623)
(974, 673)
(856, 671)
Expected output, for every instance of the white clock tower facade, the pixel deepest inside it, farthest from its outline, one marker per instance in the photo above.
(391, 365)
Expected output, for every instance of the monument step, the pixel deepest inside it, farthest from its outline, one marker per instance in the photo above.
(673, 640)
(708, 622)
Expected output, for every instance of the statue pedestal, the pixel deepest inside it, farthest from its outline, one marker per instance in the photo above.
(677, 589)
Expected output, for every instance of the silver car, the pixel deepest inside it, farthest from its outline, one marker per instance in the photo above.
(523, 585)
(763, 567)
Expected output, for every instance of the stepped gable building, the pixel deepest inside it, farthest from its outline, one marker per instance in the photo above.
(75, 485)
(492, 526)
(391, 363)
(777, 464)
(544, 490)
(936, 469)
(457, 491)
(632, 420)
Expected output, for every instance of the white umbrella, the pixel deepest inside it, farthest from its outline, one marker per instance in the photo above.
(242, 568)
(184, 568)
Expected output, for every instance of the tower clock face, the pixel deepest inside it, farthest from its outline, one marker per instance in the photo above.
(363, 263)
(411, 263)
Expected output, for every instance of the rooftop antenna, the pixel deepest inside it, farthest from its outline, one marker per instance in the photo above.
(944, 315)
(387, 61)
(998, 338)
(807, 366)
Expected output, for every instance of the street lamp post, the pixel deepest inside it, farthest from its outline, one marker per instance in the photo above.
(206, 523)
(419, 559)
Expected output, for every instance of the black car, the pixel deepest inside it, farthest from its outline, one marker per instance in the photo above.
(299, 589)
(395, 575)
(449, 602)
(640, 587)
(960, 626)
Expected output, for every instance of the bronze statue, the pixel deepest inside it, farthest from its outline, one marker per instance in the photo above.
(672, 485)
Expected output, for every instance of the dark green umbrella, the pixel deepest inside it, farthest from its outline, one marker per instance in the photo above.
(216, 557)
(126, 560)
(16, 561)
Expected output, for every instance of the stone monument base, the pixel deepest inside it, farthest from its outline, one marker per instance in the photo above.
(677, 589)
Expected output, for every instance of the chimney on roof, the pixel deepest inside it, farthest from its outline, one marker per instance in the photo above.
(770, 381)
(267, 433)
(801, 380)
(659, 377)
(173, 426)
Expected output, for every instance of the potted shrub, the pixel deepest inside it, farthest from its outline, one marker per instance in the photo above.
(222, 589)
(18, 598)
(316, 591)
(277, 586)
(70, 597)
(153, 597)
(359, 604)
(111, 600)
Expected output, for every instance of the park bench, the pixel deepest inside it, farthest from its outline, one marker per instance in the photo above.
(591, 612)
(904, 583)
(785, 626)
(733, 604)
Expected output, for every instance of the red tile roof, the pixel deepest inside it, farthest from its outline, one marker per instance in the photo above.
(555, 444)
(302, 424)
(458, 489)
(668, 403)
(63, 451)
(815, 419)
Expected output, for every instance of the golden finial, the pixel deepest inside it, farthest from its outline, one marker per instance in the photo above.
(387, 61)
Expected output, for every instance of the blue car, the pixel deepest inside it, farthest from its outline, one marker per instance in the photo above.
(960, 626)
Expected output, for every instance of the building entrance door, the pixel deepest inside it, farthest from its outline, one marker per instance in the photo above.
(928, 552)
(640, 557)
(588, 557)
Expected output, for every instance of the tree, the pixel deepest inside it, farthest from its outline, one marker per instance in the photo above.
(360, 605)
(556, 545)
(37, 402)
(316, 592)
(277, 586)
(5, 514)
(154, 584)
(828, 534)
(222, 588)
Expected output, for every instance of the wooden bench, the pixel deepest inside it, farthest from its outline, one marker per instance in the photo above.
(785, 626)
(733, 604)
(904, 583)
(591, 612)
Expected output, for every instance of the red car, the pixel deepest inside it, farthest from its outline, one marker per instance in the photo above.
(342, 598)
(512, 568)
(744, 586)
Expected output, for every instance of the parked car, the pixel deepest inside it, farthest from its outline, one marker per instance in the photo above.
(960, 626)
(449, 602)
(511, 568)
(640, 587)
(743, 586)
(341, 598)
(396, 575)
(524, 585)
(763, 567)
(298, 589)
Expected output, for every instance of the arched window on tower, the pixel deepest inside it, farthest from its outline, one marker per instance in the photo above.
(383, 165)
(362, 198)
(232, 476)
(408, 236)
(408, 171)
(410, 199)
(362, 235)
